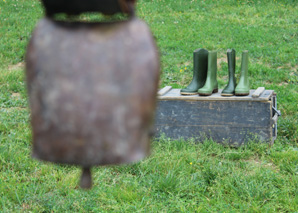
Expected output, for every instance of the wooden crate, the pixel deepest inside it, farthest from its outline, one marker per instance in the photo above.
(229, 120)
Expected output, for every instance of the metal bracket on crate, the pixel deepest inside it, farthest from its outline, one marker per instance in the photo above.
(276, 111)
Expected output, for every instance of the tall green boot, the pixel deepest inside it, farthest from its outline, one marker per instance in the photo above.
(229, 90)
(243, 85)
(211, 85)
(200, 62)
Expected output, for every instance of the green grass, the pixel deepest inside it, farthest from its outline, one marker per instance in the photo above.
(179, 176)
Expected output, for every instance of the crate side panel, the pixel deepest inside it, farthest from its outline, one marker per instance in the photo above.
(233, 136)
(232, 113)
(232, 121)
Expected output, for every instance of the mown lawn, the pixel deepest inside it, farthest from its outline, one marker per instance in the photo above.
(179, 176)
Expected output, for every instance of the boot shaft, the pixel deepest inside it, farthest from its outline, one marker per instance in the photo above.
(231, 54)
(212, 65)
(200, 58)
(200, 64)
(243, 86)
(211, 85)
(244, 64)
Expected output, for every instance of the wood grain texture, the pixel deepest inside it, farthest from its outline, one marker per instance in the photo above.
(164, 90)
(258, 92)
(174, 94)
(231, 121)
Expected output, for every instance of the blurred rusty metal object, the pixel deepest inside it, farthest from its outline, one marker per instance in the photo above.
(92, 92)
(76, 7)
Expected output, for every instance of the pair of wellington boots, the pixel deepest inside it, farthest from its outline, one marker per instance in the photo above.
(204, 80)
(242, 88)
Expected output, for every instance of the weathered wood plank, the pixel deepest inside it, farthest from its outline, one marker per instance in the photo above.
(174, 94)
(258, 92)
(194, 113)
(228, 120)
(231, 136)
(164, 90)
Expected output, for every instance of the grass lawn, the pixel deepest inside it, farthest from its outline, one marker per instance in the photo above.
(179, 176)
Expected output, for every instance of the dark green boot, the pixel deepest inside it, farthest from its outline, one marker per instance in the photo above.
(211, 85)
(229, 90)
(200, 62)
(243, 85)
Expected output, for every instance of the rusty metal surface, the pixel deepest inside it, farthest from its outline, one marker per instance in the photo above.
(92, 90)
(75, 7)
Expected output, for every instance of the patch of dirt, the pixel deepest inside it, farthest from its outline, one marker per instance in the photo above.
(223, 78)
(254, 161)
(258, 162)
(224, 59)
(16, 95)
(13, 108)
(283, 83)
(26, 206)
(185, 64)
(289, 67)
(20, 65)
(220, 61)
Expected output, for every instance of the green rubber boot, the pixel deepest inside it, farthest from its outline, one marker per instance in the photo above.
(229, 90)
(243, 85)
(211, 85)
(200, 63)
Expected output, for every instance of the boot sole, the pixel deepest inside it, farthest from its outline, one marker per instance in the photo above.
(241, 94)
(207, 94)
(226, 94)
(188, 93)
